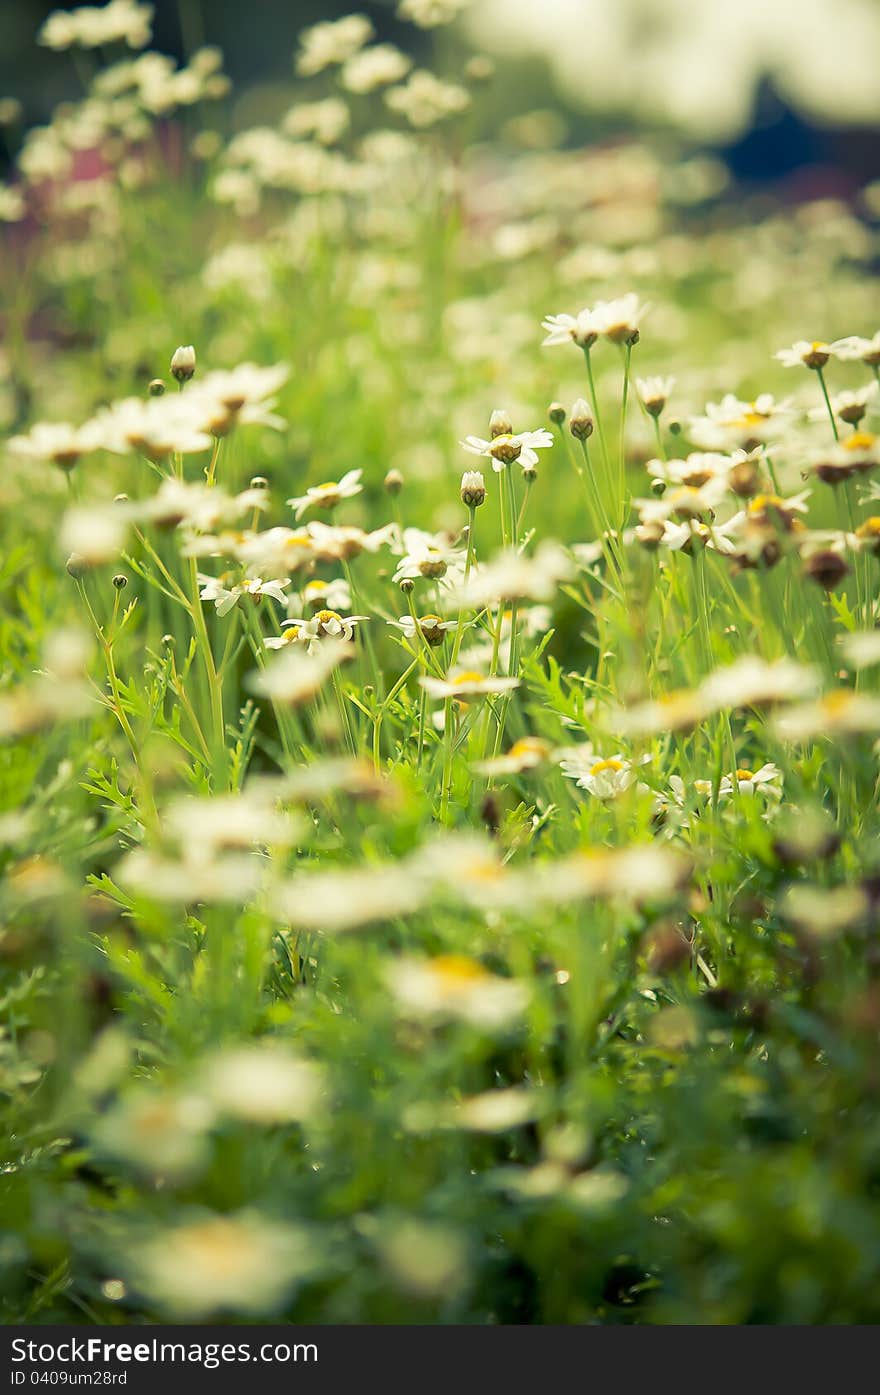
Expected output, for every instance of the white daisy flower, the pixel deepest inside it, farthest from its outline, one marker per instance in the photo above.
(604, 777)
(321, 594)
(467, 684)
(456, 986)
(434, 556)
(655, 393)
(64, 445)
(225, 597)
(805, 354)
(432, 628)
(753, 682)
(324, 624)
(507, 447)
(327, 496)
(850, 406)
(732, 422)
(331, 43)
(297, 676)
(340, 543)
(855, 349)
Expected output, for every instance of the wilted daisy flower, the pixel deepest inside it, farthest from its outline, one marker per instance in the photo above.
(805, 353)
(225, 597)
(505, 448)
(655, 393)
(604, 777)
(298, 675)
(374, 67)
(327, 496)
(432, 628)
(424, 100)
(456, 986)
(466, 684)
(262, 1083)
(239, 1262)
(753, 682)
(856, 349)
(332, 42)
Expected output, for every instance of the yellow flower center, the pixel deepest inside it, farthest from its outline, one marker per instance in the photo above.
(743, 773)
(859, 440)
(529, 746)
(454, 970)
(836, 703)
(469, 676)
(323, 616)
(606, 765)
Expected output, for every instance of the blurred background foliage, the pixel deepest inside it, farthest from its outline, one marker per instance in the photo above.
(735, 80)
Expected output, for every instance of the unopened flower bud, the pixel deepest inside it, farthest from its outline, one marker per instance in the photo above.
(480, 68)
(156, 388)
(744, 478)
(580, 420)
(500, 424)
(406, 585)
(183, 363)
(529, 474)
(259, 482)
(473, 489)
(658, 486)
(673, 426)
(393, 482)
(556, 413)
(826, 568)
(649, 535)
(852, 412)
(120, 581)
(120, 498)
(77, 566)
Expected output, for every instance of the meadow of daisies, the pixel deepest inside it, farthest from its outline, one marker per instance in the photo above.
(439, 708)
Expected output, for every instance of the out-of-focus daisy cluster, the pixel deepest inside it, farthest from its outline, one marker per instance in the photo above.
(440, 707)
